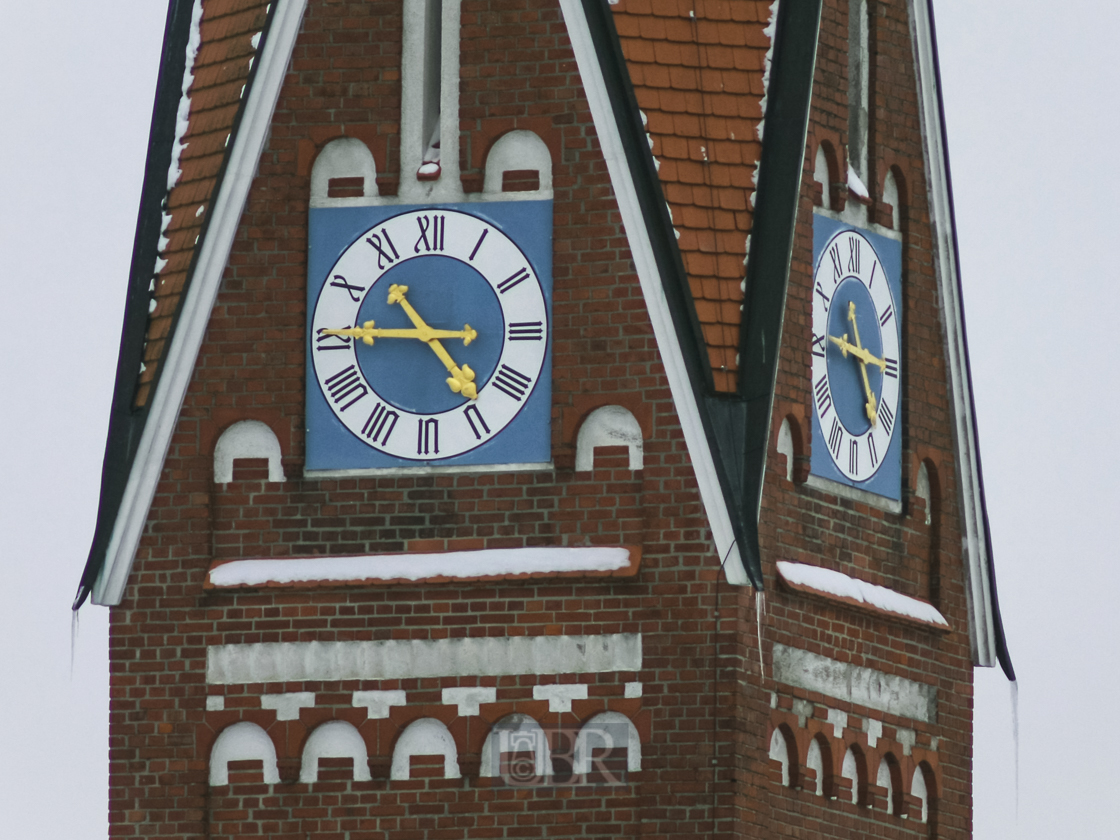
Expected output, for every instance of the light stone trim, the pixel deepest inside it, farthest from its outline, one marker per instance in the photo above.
(560, 697)
(377, 703)
(287, 706)
(277, 662)
(469, 698)
(863, 686)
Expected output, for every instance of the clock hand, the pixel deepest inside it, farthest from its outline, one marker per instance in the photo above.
(872, 412)
(461, 379)
(367, 333)
(860, 353)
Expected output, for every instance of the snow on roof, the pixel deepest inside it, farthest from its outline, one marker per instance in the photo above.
(839, 585)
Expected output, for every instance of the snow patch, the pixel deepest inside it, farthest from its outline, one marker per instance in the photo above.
(856, 185)
(452, 564)
(768, 31)
(843, 586)
(182, 118)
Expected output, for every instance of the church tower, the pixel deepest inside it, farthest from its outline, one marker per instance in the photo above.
(544, 418)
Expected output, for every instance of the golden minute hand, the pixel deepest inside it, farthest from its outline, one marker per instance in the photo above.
(367, 332)
(872, 410)
(860, 353)
(461, 379)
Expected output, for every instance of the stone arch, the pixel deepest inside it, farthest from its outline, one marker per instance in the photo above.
(344, 168)
(818, 759)
(783, 749)
(607, 730)
(516, 733)
(608, 425)
(517, 151)
(243, 741)
(247, 439)
(854, 769)
(334, 739)
(426, 736)
(889, 780)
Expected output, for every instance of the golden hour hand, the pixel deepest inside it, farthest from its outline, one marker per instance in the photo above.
(367, 333)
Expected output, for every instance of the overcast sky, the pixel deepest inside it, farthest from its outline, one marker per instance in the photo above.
(1028, 88)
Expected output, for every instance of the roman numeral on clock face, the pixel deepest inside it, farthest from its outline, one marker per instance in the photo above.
(526, 331)
(355, 292)
(513, 280)
(474, 419)
(853, 457)
(837, 264)
(818, 345)
(332, 342)
(379, 243)
(824, 397)
(891, 369)
(835, 438)
(344, 384)
(853, 255)
(510, 382)
(871, 453)
(380, 424)
(886, 417)
(432, 229)
(427, 436)
(886, 316)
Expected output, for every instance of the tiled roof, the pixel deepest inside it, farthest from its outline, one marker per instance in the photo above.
(697, 67)
(229, 38)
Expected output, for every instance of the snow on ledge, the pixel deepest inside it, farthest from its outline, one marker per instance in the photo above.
(837, 585)
(432, 568)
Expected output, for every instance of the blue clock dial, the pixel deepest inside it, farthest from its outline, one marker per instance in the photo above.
(856, 353)
(429, 336)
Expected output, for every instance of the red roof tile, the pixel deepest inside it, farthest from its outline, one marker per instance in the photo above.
(697, 72)
(220, 71)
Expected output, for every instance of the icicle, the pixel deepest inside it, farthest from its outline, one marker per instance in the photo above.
(73, 639)
(1014, 684)
(760, 611)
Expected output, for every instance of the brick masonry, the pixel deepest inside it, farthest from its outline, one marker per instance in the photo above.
(706, 711)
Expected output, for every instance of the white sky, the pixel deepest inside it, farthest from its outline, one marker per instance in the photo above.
(1027, 88)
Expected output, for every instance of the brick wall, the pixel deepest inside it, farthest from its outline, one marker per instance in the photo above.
(705, 714)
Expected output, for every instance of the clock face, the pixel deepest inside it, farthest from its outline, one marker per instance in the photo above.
(428, 342)
(856, 339)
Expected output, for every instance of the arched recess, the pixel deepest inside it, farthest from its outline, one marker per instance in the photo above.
(609, 425)
(826, 173)
(334, 739)
(783, 749)
(889, 778)
(790, 445)
(927, 487)
(426, 736)
(923, 787)
(608, 730)
(511, 162)
(343, 169)
(895, 196)
(243, 741)
(818, 759)
(854, 769)
(247, 439)
(517, 734)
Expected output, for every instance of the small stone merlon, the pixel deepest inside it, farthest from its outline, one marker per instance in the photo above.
(609, 425)
(247, 439)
